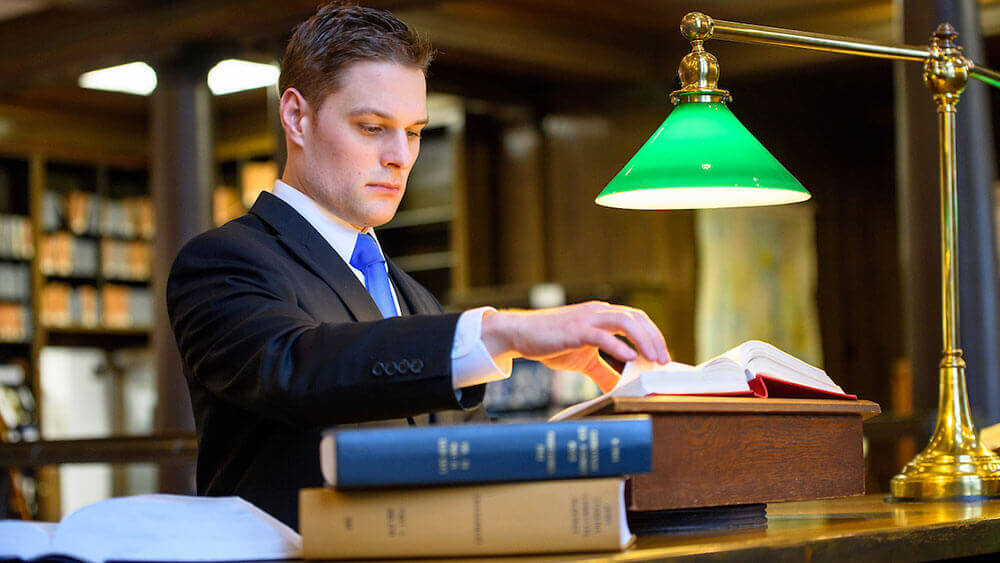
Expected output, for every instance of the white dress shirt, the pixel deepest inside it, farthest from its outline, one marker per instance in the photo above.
(471, 363)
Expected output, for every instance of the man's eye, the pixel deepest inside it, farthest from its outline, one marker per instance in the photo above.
(413, 134)
(371, 129)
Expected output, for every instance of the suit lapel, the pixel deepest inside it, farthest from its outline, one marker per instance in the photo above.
(409, 291)
(302, 240)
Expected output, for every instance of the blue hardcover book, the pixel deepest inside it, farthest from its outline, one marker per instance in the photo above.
(476, 453)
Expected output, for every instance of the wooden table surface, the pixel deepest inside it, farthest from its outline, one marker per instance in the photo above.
(846, 529)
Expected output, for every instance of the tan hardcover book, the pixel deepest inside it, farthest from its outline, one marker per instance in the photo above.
(575, 515)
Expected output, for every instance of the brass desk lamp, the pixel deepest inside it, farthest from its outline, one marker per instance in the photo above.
(703, 157)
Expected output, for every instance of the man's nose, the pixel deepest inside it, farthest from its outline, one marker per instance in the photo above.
(398, 152)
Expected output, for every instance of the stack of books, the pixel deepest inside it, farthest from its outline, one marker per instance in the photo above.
(112, 306)
(15, 237)
(125, 259)
(15, 322)
(15, 281)
(130, 217)
(63, 254)
(473, 490)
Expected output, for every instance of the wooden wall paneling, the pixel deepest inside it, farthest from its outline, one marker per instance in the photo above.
(633, 249)
(242, 128)
(481, 166)
(520, 205)
(459, 233)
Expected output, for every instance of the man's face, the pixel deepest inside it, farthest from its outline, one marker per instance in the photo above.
(359, 147)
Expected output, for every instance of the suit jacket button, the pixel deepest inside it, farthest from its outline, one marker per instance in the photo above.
(390, 368)
(416, 366)
(378, 369)
(402, 366)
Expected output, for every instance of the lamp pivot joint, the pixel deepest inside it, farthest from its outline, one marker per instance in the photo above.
(699, 69)
(946, 71)
(696, 26)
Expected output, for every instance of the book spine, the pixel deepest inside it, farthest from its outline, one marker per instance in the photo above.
(497, 519)
(436, 455)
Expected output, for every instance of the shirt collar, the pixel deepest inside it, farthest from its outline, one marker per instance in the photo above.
(340, 234)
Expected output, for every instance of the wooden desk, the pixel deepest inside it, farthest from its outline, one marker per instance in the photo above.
(846, 529)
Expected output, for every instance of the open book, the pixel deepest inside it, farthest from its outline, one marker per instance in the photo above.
(752, 369)
(154, 528)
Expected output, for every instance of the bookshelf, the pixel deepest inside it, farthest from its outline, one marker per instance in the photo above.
(75, 252)
(95, 248)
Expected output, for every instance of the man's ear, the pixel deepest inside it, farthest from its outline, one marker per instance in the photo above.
(295, 116)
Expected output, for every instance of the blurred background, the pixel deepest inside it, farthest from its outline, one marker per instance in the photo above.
(534, 105)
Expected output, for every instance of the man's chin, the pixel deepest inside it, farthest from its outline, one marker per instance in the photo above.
(377, 220)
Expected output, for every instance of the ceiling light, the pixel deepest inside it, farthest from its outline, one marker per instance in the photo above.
(233, 75)
(132, 78)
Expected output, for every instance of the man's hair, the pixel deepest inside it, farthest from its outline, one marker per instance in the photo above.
(340, 34)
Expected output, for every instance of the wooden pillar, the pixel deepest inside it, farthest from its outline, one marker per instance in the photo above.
(182, 177)
(919, 201)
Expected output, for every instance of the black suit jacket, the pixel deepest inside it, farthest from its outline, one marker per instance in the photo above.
(280, 340)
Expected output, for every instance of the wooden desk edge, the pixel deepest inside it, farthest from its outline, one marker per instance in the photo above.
(688, 404)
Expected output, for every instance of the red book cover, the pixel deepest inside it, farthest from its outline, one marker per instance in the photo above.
(774, 387)
(764, 386)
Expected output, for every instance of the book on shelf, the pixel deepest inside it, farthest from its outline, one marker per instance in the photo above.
(15, 322)
(15, 237)
(475, 453)
(64, 254)
(17, 404)
(86, 213)
(154, 528)
(87, 306)
(125, 260)
(581, 515)
(15, 281)
(752, 369)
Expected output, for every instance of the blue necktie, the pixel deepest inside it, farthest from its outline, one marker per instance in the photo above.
(367, 258)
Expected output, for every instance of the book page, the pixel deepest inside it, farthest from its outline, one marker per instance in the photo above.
(148, 527)
(25, 540)
(642, 377)
(763, 358)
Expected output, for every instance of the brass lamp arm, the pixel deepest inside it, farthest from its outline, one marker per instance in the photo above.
(986, 75)
(749, 33)
(764, 35)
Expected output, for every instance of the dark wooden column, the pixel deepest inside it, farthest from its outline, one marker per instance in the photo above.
(182, 178)
(919, 201)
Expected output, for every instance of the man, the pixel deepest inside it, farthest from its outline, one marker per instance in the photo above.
(289, 319)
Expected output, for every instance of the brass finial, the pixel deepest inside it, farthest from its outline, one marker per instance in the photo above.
(946, 71)
(946, 35)
(696, 26)
(699, 69)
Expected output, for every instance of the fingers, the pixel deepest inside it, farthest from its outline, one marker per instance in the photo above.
(659, 342)
(638, 327)
(601, 373)
(606, 341)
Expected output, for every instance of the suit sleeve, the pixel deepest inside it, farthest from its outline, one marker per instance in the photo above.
(244, 339)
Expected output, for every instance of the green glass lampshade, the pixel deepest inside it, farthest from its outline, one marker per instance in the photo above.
(701, 156)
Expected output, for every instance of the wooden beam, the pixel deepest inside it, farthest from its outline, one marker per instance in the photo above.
(70, 136)
(532, 45)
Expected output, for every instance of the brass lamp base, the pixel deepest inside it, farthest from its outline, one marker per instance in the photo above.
(955, 465)
(948, 477)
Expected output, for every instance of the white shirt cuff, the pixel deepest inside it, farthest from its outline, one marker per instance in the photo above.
(471, 363)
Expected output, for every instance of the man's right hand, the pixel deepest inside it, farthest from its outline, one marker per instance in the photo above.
(569, 337)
